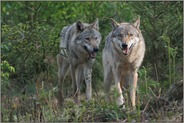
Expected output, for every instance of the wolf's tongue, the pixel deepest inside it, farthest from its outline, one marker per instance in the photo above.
(125, 50)
(93, 55)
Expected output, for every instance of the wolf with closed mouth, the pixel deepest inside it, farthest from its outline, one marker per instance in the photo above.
(79, 46)
(122, 56)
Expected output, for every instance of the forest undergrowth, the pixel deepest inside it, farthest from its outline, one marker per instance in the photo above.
(43, 107)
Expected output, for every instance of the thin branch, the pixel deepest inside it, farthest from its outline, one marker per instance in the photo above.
(156, 71)
(146, 105)
(28, 54)
(154, 112)
(153, 93)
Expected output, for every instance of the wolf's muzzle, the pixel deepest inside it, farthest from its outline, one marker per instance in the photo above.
(95, 49)
(92, 54)
(125, 49)
(124, 46)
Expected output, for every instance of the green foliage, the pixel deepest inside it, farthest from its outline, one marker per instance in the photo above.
(146, 82)
(6, 70)
(160, 18)
(172, 58)
(27, 47)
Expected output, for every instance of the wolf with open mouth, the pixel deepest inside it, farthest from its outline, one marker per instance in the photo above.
(122, 56)
(79, 46)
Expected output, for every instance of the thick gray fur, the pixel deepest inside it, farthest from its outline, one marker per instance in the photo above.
(81, 42)
(122, 56)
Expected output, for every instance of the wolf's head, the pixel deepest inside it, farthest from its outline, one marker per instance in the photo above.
(88, 37)
(125, 35)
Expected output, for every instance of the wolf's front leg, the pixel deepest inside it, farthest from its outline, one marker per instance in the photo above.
(63, 66)
(120, 99)
(79, 79)
(108, 78)
(72, 72)
(87, 76)
(133, 86)
(117, 78)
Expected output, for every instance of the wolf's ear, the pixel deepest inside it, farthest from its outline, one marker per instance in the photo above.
(79, 26)
(114, 23)
(137, 23)
(96, 24)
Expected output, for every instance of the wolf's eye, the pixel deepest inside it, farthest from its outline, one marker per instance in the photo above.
(130, 34)
(87, 38)
(120, 35)
(96, 38)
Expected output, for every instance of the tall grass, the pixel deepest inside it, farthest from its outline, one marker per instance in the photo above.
(171, 58)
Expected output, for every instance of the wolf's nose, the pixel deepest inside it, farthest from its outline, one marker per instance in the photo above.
(124, 46)
(95, 49)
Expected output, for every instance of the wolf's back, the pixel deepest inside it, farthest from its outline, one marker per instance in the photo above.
(65, 35)
(108, 42)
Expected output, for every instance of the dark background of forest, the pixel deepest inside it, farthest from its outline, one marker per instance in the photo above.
(30, 37)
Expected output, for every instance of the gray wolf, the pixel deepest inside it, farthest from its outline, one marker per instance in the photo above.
(122, 56)
(79, 46)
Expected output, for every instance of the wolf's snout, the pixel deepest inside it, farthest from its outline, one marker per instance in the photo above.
(124, 46)
(95, 49)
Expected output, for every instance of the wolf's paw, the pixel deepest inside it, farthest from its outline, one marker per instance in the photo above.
(122, 106)
(120, 101)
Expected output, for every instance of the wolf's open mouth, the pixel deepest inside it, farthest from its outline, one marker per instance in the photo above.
(126, 50)
(92, 55)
